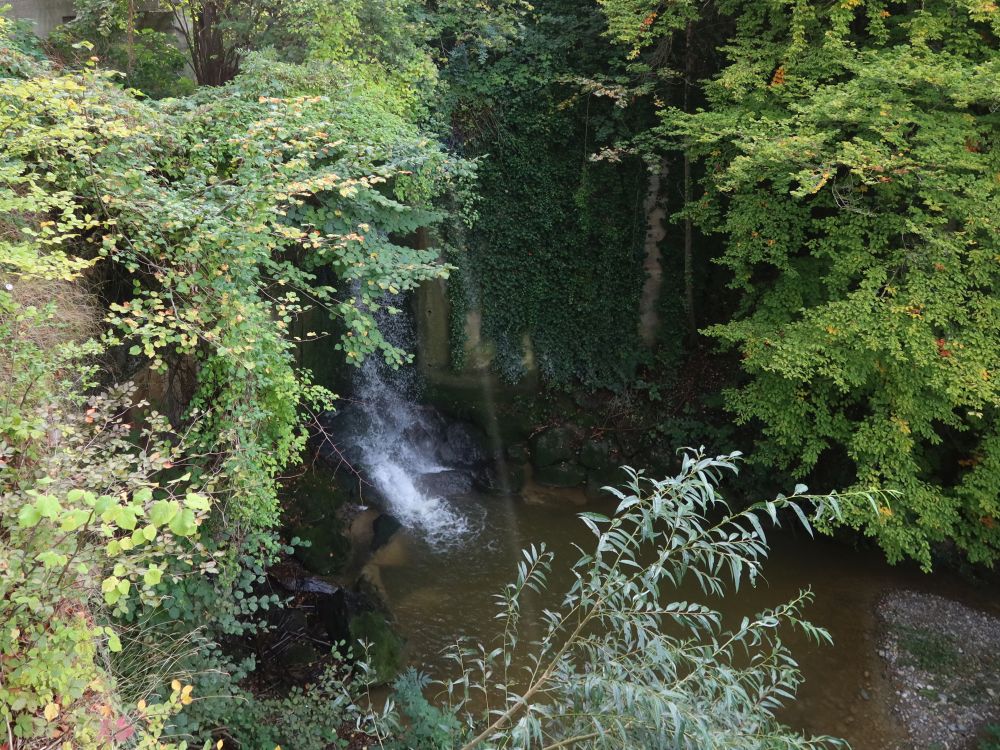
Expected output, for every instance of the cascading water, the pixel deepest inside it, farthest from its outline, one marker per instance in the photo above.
(402, 449)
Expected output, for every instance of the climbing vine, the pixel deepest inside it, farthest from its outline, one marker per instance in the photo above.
(555, 256)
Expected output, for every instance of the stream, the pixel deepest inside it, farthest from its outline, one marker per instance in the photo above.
(440, 592)
(457, 548)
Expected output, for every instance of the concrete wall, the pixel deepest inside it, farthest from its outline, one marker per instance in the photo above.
(47, 14)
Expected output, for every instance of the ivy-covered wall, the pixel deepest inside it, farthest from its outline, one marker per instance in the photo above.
(556, 252)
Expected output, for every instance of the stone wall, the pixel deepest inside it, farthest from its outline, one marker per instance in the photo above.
(47, 14)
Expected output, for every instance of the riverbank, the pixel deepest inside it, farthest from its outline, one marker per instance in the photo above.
(943, 661)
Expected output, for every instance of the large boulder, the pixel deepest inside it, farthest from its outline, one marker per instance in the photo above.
(384, 528)
(503, 479)
(595, 454)
(562, 474)
(427, 432)
(464, 445)
(552, 446)
(517, 453)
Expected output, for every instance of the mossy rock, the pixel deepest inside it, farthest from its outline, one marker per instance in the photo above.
(564, 474)
(596, 454)
(385, 647)
(311, 506)
(552, 446)
(328, 550)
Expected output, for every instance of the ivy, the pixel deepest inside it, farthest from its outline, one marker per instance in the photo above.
(554, 256)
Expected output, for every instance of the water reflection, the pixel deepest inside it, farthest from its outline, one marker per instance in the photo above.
(440, 594)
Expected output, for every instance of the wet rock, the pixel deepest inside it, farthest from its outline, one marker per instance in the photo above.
(383, 529)
(563, 474)
(464, 445)
(517, 453)
(309, 585)
(552, 446)
(596, 454)
(506, 478)
(424, 435)
(447, 483)
(629, 443)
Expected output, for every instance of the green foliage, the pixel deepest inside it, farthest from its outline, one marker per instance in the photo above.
(148, 60)
(555, 253)
(383, 44)
(213, 217)
(89, 516)
(619, 663)
(383, 648)
(424, 725)
(308, 718)
(218, 34)
(991, 738)
(850, 163)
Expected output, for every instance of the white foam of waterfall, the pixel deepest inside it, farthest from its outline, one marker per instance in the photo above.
(393, 458)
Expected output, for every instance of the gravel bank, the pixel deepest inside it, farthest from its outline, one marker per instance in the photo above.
(943, 660)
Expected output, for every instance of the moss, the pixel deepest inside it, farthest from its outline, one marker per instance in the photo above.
(385, 647)
(927, 649)
(311, 509)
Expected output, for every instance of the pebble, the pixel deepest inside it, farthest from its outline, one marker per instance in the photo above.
(926, 702)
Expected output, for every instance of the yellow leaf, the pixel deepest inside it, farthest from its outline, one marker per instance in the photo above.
(175, 685)
(51, 711)
(186, 695)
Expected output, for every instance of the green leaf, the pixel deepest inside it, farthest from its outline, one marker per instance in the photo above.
(74, 519)
(163, 511)
(48, 506)
(197, 502)
(28, 516)
(124, 516)
(152, 575)
(183, 524)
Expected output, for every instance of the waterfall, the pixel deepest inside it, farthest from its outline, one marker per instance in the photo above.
(402, 449)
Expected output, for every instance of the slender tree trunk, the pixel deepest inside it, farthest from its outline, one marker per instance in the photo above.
(656, 213)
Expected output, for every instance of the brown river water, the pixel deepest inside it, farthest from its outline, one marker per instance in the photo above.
(440, 592)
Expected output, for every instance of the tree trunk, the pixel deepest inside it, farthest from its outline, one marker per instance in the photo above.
(656, 213)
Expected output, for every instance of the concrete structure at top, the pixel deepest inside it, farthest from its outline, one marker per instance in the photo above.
(46, 14)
